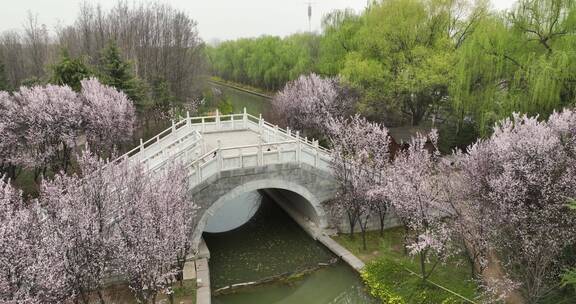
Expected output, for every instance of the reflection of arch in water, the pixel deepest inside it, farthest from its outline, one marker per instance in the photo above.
(319, 216)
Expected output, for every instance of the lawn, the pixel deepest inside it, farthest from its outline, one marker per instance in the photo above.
(389, 277)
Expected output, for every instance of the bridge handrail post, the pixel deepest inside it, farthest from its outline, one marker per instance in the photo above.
(198, 173)
(173, 125)
(203, 125)
(317, 150)
(217, 119)
(219, 155)
(245, 118)
(260, 160)
(275, 132)
(188, 122)
(260, 123)
(141, 145)
(298, 146)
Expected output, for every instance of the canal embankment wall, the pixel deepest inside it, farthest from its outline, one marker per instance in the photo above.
(197, 270)
(294, 208)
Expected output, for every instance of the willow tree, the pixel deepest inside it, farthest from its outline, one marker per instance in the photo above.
(339, 29)
(403, 57)
(520, 61)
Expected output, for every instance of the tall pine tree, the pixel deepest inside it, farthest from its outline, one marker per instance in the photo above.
(115, 71)
(68, 71)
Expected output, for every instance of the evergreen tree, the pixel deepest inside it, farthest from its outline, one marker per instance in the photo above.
(4, 84)
(115, 71)
(70, 71)
(162, 98)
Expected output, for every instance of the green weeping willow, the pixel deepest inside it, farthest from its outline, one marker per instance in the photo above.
(520, 61)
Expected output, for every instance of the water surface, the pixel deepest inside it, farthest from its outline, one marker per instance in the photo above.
(272, 244)
(254, 104)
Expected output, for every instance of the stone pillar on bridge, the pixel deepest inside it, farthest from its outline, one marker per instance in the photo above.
(245, 118)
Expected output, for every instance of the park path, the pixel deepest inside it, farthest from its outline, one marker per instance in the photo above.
(494, 271)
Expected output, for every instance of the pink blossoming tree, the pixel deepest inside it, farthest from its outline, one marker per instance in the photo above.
(17, 246)
(309, 102)
(109, 116)
(43, 123)
(522, 175)
(415, 187)
(79, 211)
(154, 227)
(359, 156)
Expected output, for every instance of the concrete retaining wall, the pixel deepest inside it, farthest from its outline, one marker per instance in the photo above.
(314, 231)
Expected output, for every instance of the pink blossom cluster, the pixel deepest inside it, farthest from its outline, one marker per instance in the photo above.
(115, 220)
(503, 202)
(521, 177)
(359, 154)
(309, 102)
(40, 125)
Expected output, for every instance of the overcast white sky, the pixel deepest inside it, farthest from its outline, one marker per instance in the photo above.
(217, 19)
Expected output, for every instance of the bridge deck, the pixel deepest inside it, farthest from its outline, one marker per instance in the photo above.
(210, 144)
(231, 139)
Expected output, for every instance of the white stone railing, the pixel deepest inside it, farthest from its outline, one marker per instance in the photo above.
(184, 142)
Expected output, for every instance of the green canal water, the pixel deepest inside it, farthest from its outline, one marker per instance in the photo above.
(272, 244)
(254, 104)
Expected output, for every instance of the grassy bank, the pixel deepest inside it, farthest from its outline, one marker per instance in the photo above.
(391, 274)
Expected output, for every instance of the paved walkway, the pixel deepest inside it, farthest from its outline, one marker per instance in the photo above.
(230, 139)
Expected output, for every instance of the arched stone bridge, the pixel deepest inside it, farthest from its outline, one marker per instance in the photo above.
(228, 155)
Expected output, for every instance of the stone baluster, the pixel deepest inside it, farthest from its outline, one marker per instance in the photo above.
(298, 146)
(317, 150)
(219, 155)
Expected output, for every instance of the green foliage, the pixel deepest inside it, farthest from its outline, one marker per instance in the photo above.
(402, 58)
(465, 64)
(162, 98)
(70, 71)
(387, 276)
(267, 62)
(115, 71)
(340, 28)
(32, 81)
(522, 61)
(390, 282)
(4, 84)
(225, 106)
(569, 276)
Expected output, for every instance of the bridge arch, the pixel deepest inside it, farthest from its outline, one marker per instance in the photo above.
(314, 202)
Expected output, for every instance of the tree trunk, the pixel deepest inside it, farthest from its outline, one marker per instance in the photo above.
(423, 264)
(364, 239)
(405, 245)
(382, 222)
(352, 222)
(100, 297)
